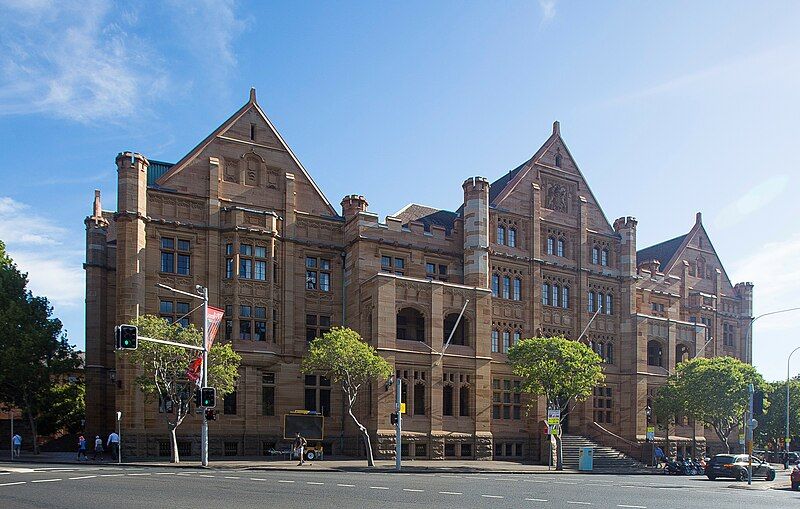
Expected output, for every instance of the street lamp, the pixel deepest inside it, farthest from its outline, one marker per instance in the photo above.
(786, 438)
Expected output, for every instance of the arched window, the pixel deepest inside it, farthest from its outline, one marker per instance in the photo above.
(501, 235)
(419, 398)
(463, 401)
(495, 285)
(506, 341)
(545, 294)
(610, 353)
(565, 297)
(604, 257)
(506, 287)
(410, 325)
(558, 160)
(447, 400)
(609, 304)
(591, 302)
(551, 245)
(655, 354)
(560, 247)
(495, 341)
(517, 337)
(599, 302)
(512, 237)
(517, 289)
(595, 255)
(460, 336)
(556, 292)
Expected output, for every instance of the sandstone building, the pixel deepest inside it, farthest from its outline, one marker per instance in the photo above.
(532, 252)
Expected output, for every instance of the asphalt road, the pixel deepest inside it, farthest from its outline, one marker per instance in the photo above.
(93, 486)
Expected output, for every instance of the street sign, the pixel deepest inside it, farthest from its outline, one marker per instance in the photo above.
(552, 429)
(553, 417)
(741, 438)
(402, 408)
(651, 433)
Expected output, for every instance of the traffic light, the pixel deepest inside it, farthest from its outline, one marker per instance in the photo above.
(393, 419)
(211, 414)
(127, 337)
(208, 397)
(198, 399)
(758, 403)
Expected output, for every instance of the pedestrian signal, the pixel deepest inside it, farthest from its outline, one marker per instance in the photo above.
(393, 419)
(211, 415)
(127, 337)
(208, 397)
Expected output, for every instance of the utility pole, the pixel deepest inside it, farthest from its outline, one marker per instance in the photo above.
(749, 425)
(786, 437)
(398, 446)
(204, 383)
(119, 437)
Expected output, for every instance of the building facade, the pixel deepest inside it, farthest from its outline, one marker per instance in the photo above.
(531, 253)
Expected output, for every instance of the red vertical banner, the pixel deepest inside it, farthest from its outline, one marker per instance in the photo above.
(214, 318)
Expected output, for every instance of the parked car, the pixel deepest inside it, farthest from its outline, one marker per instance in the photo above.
(795, 477)
(735, 466)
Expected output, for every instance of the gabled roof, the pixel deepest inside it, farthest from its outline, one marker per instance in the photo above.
(180, 165)
(663, 252)
(496, 187)
(427, 216)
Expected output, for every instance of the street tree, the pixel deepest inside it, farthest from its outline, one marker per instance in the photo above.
(163, 368)
(36, 359)
(565, 372)
(772, 425)
(344, 358)
(713, 391)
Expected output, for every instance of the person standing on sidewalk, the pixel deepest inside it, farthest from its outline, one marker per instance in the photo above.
(16, 445)
(82, 448)
(299, 446)
(113, 444)
(98, 448)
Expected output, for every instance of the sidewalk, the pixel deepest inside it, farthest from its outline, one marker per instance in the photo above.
(334, 464)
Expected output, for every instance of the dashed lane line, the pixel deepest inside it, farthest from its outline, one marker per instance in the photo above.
(347, 485)
(413, 490)
(536, 499)
(450, 493)
(282, 480)
(564, 482)
(139, 474)
(82, 477)
(315, 483)
(120, 475)
(257, 479)
(232, 477)
(12, 483)
(632, 506)
(378, 488)
(46, 480)
(578, 503)
(164, 473)
(206, 476)
(491, 496)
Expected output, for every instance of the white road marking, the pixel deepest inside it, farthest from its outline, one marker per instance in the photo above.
(285, 481)
(450, 493)
(378, 488)
(534, 480)
(138, 474)
(179, 473)
(257, 479)
(632, 506)
(537, 499)
(315, 483)
(579, 503)
(46, 480)
(491, 496)
(82, 477)
(347, 485)
(5, 473)
(231, 477)
(164, 473)
(415, 491)
(205, 475)
(118, 475)
(564, 482)
(12, 483)
(451, 476)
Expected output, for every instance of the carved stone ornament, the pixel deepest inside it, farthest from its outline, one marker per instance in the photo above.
(556, 199)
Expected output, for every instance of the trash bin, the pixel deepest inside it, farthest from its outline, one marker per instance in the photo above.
(586, 458)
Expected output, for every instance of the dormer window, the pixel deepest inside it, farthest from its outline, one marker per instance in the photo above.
(252, 132)
(558, 160)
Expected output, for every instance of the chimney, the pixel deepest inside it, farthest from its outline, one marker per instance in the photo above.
(352, 205)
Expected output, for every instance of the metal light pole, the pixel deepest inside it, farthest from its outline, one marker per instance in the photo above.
(398, 446)
(786, 438)
(119, 438)
(204, 383)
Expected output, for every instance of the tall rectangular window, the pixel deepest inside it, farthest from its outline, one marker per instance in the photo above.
(175, 256)
(565, 297)
(174, 312)
(506, 287)
(268, 394)
(447, 400)
(318, 394)
(246, 268)
(545, 294)
(591, 302)
(229, 405)
(517, 289)
(495, 341)
(316, 326)
(512, 237)
(501, 235)
(506, 341)
(506, 399)
(318, 275)
(495, 285)
(419, 399)
(167, 262)
(463, 401)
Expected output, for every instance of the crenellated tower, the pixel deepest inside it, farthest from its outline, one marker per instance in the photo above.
(476, 232)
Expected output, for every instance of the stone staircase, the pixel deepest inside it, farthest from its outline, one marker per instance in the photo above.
(605, 458)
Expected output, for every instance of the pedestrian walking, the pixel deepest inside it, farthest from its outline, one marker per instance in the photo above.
(98, 448)
(113, 444)
(298, 447)
(16, 444)
(660, 456)
(82, 448)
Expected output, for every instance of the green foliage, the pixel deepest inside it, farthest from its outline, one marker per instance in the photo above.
(562, 370)
(65, 408)
(346, 359)
(668, 403)
(34, 353)
(713, 391)
(772, 425)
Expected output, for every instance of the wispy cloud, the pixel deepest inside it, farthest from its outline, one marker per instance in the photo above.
(548, 10)
(752, 200)
(74, 60)
(43, 249)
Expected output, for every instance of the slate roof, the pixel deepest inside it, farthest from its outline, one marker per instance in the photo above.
(427, 216)
(496, 187)
(663, 252)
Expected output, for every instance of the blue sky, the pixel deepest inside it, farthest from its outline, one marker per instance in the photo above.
(669, 108)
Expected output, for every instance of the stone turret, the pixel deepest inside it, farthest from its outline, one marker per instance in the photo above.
(626, 227)
(476, 232)
(353, 204)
